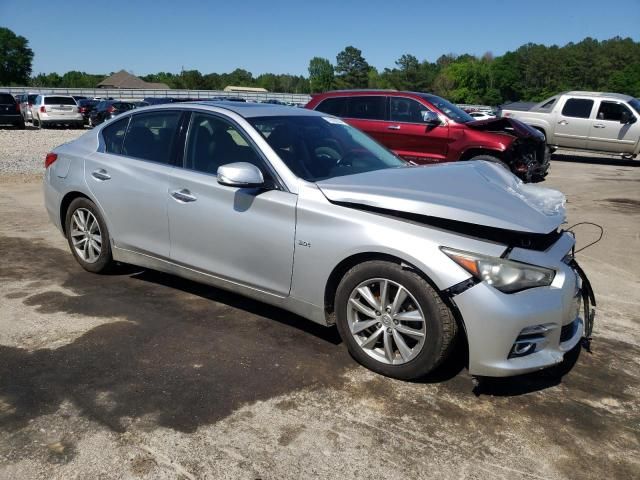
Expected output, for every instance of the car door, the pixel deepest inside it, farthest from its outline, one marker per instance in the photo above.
(608, 133)
(408, 135)
(242, 235)
(368, 113)
(574, 122)
(129, 178)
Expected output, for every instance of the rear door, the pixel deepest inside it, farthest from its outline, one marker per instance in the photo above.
(608, 134)
(244, 235)
(573, 122)
(408, 136)
(129, 177)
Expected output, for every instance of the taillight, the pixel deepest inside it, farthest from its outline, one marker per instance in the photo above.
(50, 158)
(18, 107)
(43, 109)
(82, 109)
(111, 109)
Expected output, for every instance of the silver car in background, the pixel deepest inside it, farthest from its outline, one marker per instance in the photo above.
(298, 209)
(48, 110)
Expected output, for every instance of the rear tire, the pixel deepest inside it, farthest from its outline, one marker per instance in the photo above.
(88, 236)
(405, 339)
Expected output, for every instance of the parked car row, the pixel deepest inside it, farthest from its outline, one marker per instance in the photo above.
(306, 212)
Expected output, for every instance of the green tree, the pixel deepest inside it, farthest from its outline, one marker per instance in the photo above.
(352, 69)
(15, 58)
(321, 76)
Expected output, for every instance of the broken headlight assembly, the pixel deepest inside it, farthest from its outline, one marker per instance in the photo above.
(505, 275)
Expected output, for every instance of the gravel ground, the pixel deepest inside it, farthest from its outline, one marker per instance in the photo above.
(23, 151)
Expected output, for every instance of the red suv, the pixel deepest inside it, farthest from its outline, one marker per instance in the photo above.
(425, 128)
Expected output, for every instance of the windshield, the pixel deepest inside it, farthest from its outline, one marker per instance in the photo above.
(317, 148)
(449, 109)
(635, 104)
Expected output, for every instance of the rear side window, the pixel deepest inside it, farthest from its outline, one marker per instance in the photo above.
(7, 99)
(333, 106)
(612, 111)
(150, 136)
(369, 107)
(59, 101)
(577, 107)
(114, 136)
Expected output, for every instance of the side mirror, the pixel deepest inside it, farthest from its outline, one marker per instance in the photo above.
(430, 118)
(241, 175)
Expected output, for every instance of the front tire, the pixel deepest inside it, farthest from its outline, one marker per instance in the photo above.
(491, 158)
(393, 321)
(88, 236)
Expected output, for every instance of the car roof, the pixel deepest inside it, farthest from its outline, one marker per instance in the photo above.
(250, 109)
(618, 96)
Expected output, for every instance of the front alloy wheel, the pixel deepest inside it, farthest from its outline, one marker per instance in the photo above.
(392, 320)
(386, 321)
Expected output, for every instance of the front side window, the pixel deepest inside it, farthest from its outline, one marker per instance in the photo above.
(452, 111)
(612, 111)
(150, 136)
(406, 110)
(366, 107)
(316, 148)
(113, 136)
(577, 108)
(214, 142)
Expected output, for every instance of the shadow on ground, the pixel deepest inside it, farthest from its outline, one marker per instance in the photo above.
(596, 160)
(188, 354)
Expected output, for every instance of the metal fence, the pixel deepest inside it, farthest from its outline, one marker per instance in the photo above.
(139, 94)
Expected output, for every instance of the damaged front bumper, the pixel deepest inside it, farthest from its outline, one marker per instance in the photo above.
(522, 332)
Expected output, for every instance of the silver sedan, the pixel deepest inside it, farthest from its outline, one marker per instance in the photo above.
(298, 209)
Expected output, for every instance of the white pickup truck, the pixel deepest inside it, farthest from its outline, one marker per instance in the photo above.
(605, 122)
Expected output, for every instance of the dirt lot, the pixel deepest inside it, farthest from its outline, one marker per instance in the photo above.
(143, 375)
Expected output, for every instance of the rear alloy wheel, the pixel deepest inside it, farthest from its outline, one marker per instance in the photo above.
(393, 321)
(88, 236)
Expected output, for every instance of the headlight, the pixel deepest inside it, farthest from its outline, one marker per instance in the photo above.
(505, 275)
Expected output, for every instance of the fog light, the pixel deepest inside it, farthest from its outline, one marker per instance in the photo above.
(520, 349)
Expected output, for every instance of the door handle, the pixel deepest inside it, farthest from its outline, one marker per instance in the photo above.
(563, 122)
(101, 174)
(183, 196)
(598, 125)
(393, 127)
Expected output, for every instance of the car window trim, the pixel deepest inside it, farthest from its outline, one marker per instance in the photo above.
(592, 112)
(172, 162)
(444, 124)
(278, 182)
(622, 104)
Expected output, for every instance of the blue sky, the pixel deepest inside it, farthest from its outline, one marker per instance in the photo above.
(281, 36)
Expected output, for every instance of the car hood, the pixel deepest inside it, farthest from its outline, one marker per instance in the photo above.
(476, 192)
(506, 125)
